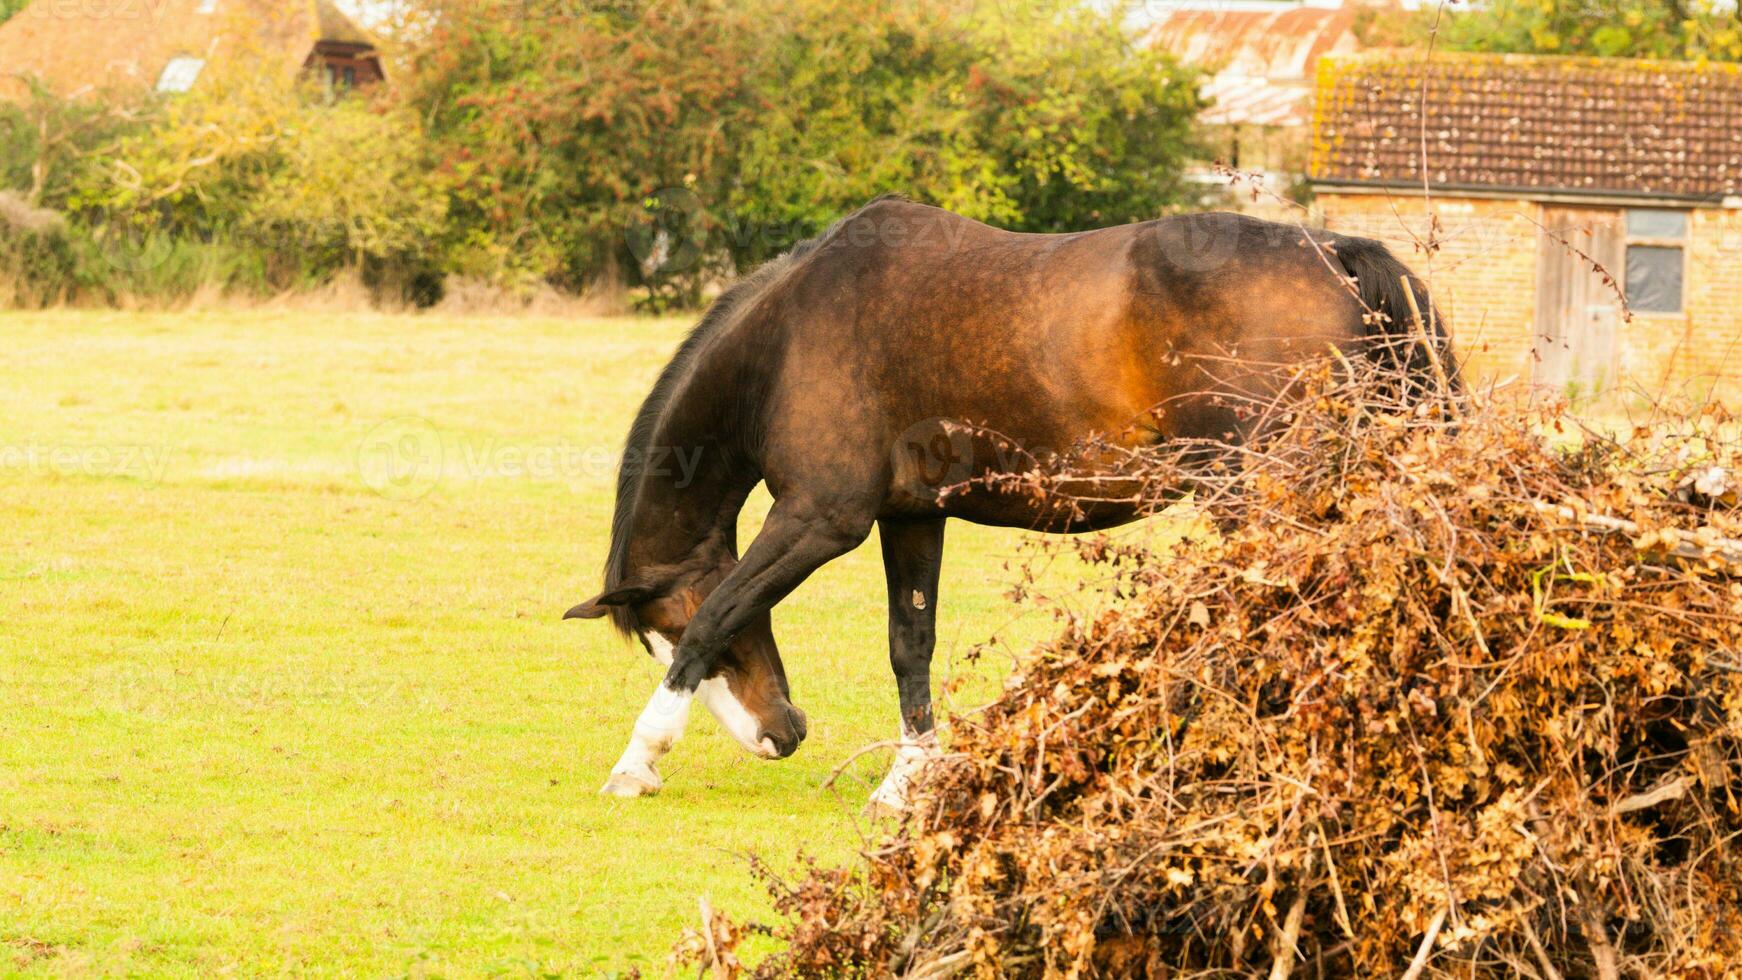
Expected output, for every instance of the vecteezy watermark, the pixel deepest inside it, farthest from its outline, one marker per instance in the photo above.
(156, 690)
(148, 463)
(667, 14)
(672, 235)
(132, 249)
(401, 459)
(938, 456)
(405, 458)
(152, 10)
(675, 231)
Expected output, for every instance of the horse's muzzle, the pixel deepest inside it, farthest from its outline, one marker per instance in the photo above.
(785, 731)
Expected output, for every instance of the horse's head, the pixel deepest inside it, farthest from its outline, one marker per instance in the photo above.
(746, 688)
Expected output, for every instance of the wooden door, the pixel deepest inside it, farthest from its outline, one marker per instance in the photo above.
(1576, 310)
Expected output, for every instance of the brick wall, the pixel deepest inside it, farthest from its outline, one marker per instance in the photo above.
(1709, 348)
(1484, 278)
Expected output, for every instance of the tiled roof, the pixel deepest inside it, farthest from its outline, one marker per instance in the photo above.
(1532, 124)
(88, 47)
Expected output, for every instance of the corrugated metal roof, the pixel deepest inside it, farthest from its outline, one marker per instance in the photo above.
(1256, 101)
(1262, 57)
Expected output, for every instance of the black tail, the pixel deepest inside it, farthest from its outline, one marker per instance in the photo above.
(1391, 328)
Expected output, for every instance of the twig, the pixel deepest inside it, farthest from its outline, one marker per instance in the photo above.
(1536, 947)
(1433, 354)
(1602, 951)
(1336, 888)
(1288, 938)
(1674, 789)
(1426, 948)
(1687, 545)
(708, 935)
(876, 747)
(943, 966)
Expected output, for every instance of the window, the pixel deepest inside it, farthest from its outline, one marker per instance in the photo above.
(180, 74)
(1656, 259)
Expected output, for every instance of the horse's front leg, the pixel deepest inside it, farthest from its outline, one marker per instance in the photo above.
(746, 690)
(656, 730)
(912, 559)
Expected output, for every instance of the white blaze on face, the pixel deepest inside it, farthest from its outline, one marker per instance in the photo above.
(718, 698)
(734, 717)
(661, 647)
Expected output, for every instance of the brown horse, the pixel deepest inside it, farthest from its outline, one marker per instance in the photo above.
(834, 375)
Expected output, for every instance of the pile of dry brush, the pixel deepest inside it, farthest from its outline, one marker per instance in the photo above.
(1451, 691)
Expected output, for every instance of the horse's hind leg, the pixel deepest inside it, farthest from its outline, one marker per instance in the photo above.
(912, 559)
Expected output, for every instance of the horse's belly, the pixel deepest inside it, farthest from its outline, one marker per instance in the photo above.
(979, 474)
(1059, 516)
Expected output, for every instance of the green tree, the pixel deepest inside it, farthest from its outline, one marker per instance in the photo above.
(1080, 127)
(1043, 118)
(557, 128)
(1680, 29)
(46, 141)
(656, 138)
(856, 99)
(289, 182)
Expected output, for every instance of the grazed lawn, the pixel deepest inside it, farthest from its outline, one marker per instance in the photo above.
(278, 694)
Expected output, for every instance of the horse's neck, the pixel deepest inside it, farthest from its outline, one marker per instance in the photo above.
(678, 525)
(696, 481)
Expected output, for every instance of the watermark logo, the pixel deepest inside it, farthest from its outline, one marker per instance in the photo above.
(405, 458)
(671, 237)
(152, 10)
(939, 457)
(148, 463)
(132, 249)
(402, 458)
(935, 454)
(1200, 242)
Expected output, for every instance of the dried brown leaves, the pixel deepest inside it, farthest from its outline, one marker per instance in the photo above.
(1411, 709)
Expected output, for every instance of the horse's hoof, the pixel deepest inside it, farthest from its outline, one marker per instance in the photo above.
(628, 786)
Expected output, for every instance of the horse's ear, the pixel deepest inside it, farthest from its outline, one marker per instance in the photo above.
(586, 610)
(627, 594)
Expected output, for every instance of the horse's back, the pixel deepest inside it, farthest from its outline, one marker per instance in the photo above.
(905, 315)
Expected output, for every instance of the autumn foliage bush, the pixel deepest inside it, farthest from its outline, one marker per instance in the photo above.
(1450, 691)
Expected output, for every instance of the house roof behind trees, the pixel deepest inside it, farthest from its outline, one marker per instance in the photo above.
(1531, 125)
(1260, 57)
(130, 47)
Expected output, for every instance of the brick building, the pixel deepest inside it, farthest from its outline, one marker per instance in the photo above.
(1566, 194)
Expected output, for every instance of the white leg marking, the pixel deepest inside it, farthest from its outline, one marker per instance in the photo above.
(915, 751)
(717, 697)
(656, 730)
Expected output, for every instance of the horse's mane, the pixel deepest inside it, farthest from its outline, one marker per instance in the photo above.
(720, 315)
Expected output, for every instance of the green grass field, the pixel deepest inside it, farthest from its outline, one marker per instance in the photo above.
(283, 686)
